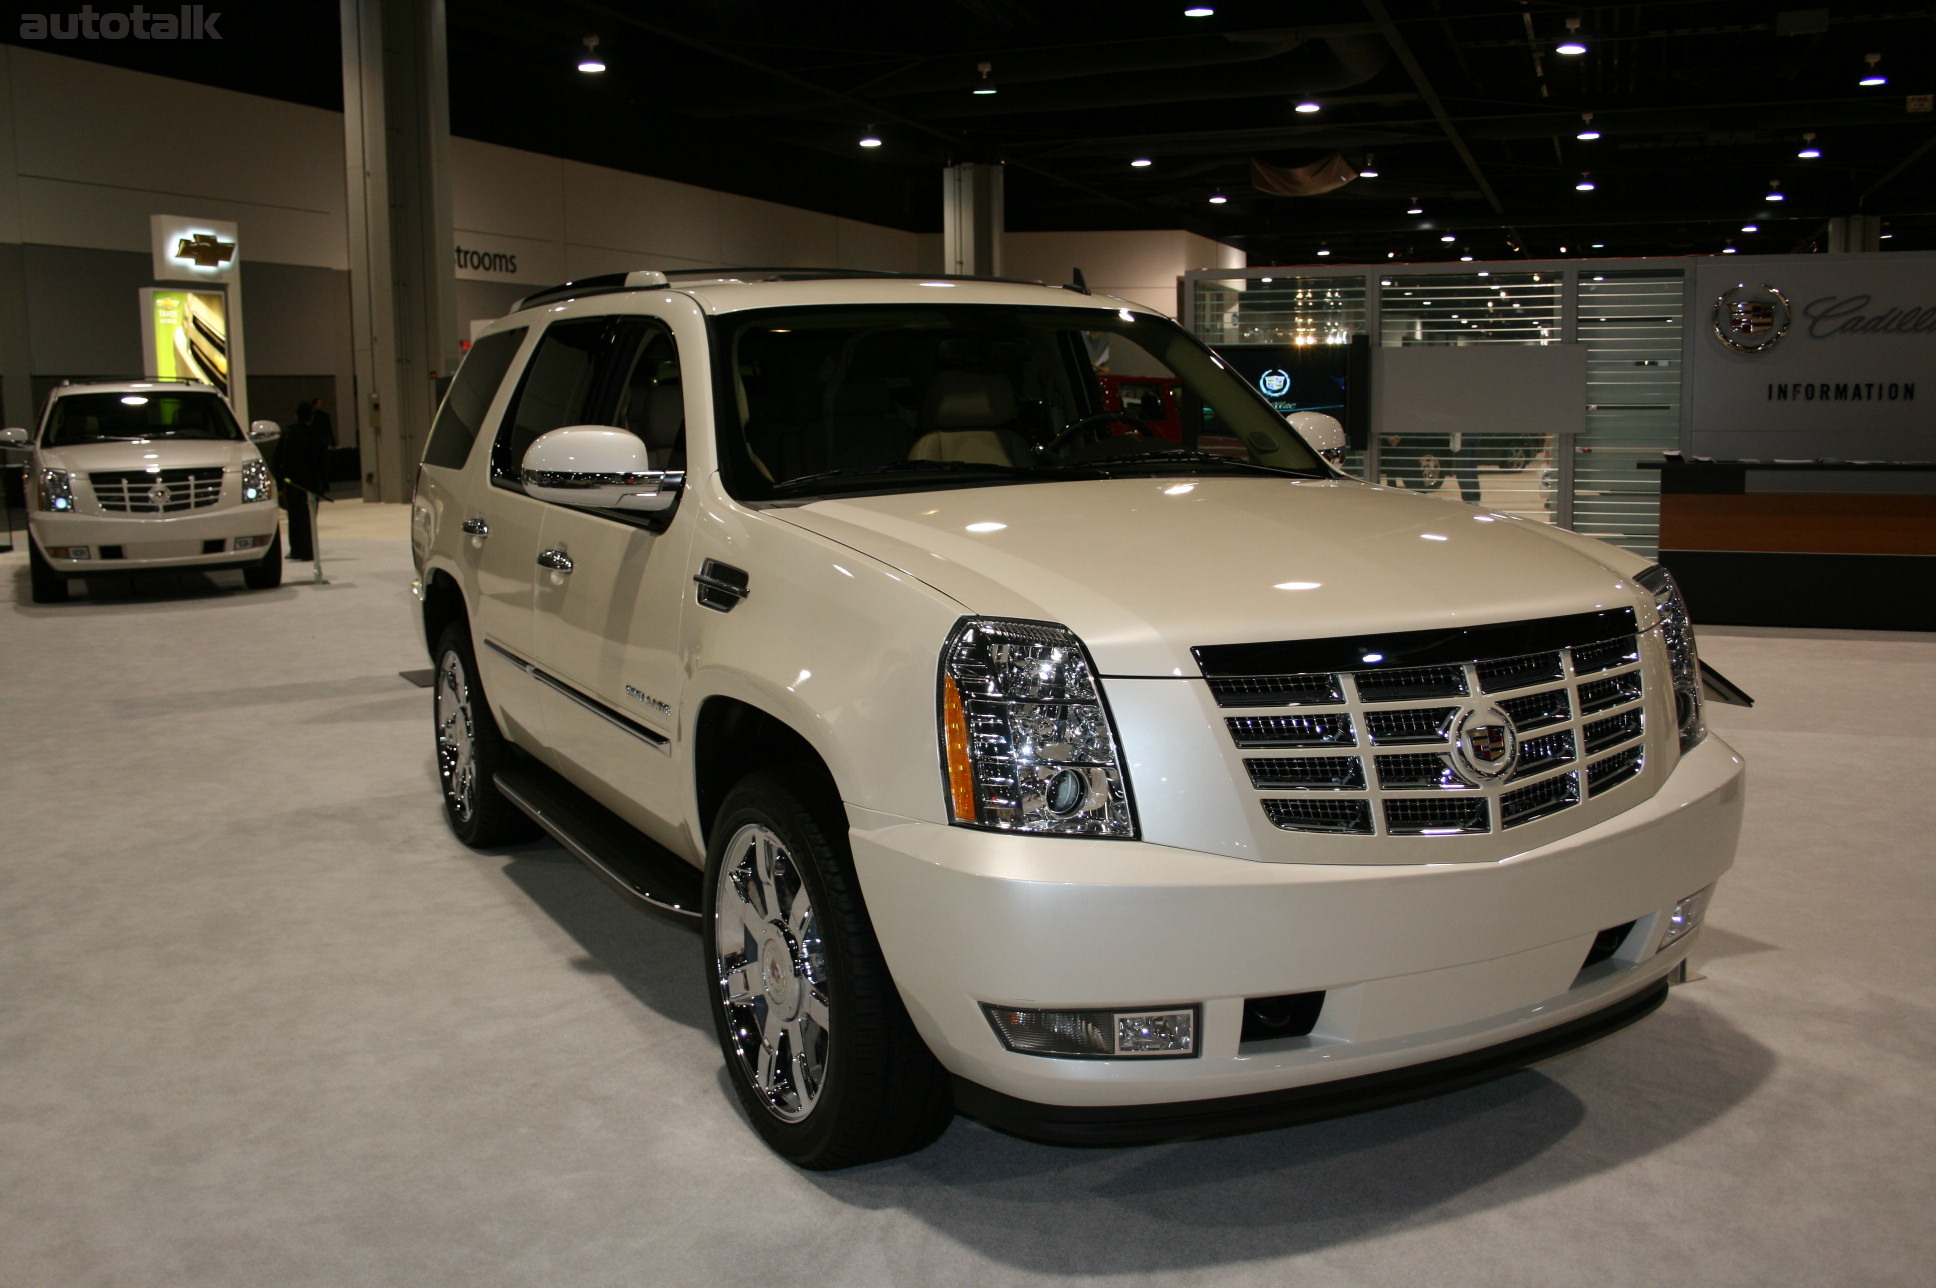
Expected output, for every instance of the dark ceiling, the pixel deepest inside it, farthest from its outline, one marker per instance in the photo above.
(1463, 108)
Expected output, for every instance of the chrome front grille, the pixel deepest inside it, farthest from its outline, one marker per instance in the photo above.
(1531, 719)
(157, 492)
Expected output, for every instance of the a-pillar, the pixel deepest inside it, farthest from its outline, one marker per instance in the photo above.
(403, 305)
(971, 219)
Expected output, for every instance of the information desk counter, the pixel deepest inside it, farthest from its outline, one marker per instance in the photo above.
(1848, 544)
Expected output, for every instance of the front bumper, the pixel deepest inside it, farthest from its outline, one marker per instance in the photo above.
(1419, 963)
(197, 539)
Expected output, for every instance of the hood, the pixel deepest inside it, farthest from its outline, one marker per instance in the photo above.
(158, 453)
(1144, 569)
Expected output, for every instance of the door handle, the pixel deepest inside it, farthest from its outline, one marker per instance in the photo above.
(477, 527)
(556, 560)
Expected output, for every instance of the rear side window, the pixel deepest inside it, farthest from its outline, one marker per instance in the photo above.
(459, 419)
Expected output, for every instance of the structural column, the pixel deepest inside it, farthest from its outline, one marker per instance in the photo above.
(971, 219)
(403, 307)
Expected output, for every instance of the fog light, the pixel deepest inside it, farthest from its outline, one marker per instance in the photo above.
(1097, 1035)
(69, 552)
(250, 543)
(1686, 915)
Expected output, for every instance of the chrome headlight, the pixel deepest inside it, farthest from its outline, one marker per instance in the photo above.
(1026, 741)
(257, 483)
(54, 490)
(1677, 632)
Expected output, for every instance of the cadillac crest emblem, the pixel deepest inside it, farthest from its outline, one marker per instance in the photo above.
(1750, 319)
(1485, 744)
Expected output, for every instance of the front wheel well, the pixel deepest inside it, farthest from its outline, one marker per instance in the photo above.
(443, 603)
(733, 739)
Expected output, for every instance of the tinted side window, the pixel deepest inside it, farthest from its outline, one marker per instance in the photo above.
(568, 379)
(462, 414)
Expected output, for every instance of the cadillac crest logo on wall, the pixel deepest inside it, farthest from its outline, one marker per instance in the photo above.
(1751, 319)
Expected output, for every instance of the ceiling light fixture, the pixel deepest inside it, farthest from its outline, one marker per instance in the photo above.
(1873, 77)
(1415, 208)
(1309, 106)
(1369, 170)
(1465, 259)
(870, 139)
(1809, 151)
(1324, 250)
(1751, 228)
(1727, 250)
(1599, 245)
(1218, 200)
(984, 87)
(1142, 162)
(591, 62)
(1572, 46)
(1587, 132)
(1585, 184)
(1449, 237)
(1199, 11)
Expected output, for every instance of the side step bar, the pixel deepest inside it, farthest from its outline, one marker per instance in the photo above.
(649, 876)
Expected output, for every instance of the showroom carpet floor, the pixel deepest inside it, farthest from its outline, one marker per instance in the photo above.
(263, 1022)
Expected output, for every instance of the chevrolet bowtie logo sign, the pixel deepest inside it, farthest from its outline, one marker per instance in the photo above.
(205, 251)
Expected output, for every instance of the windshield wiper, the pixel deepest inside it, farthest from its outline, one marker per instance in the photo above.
(1207, 458)
(896, 467)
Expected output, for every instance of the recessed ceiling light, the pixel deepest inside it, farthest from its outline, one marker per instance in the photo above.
(1141, 162)
(1465, 259)
(1777, 196)
(1809, 151)
(1572, 46)
(983, 89)
(1599, 245)
(1218, 200)
(1323, 250)
(1449, 237)
(1751, 228)
(1416, 210)
(1367, 173)
(1307, 107)
(1727, 250)
(590, 61)
(1872, 77)
(1585, 184)
(1587, 132)
(1199, 11)
(870, 140)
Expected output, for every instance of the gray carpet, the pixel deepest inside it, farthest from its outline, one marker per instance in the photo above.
(263, 1022)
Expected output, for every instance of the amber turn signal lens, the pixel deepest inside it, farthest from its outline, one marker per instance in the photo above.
(961, 774)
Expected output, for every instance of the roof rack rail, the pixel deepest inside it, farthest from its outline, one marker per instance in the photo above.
(647, 278)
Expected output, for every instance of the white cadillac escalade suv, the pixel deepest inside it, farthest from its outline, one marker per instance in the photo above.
(1104, 781)
(141, 475)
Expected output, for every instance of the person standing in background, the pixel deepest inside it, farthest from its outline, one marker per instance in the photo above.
(324, 426)
(302, 467)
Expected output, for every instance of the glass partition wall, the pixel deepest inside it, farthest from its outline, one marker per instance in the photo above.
(1630, 319)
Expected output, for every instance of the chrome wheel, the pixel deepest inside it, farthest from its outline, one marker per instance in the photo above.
(456, 736)
(771, 969)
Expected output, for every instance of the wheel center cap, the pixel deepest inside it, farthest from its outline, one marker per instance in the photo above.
(777, 978)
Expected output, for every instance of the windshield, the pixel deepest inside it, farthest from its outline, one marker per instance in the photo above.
(907, 397)
(137, 416)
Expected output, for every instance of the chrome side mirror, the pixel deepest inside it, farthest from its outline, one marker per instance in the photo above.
(596, 467)
(14, 436)
(260, 430)
(1322, 433)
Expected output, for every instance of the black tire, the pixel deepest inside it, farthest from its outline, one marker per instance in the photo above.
(266, 573)
(865, 1087)
(470, 750)
(49, 585)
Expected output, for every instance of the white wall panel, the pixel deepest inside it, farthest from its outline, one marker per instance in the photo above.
(506, 192)
(85, 131)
